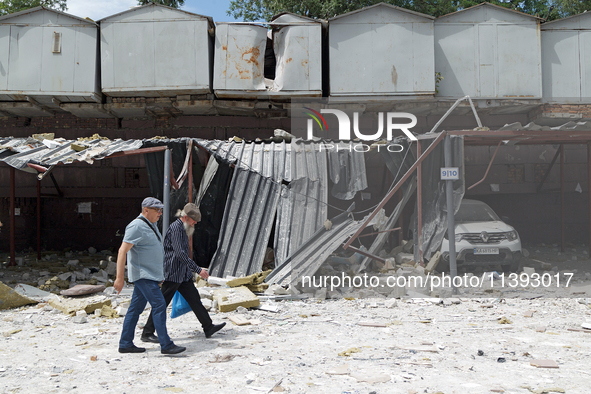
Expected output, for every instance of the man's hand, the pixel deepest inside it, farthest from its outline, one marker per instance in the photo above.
(118, 285)
(204, 274)
(121, 260)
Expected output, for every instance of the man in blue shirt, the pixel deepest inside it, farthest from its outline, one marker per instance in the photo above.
(178, 273)
(142, 246)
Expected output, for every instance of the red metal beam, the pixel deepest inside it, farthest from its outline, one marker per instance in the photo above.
(396, 187)
(562, 230)
(12, 220)
(548, 172)
(488, 168)
(37, 167)
(38, 219)
(589, 189)
(420, 206)
(366, 254)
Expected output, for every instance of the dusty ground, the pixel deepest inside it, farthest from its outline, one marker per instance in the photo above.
(423, 346)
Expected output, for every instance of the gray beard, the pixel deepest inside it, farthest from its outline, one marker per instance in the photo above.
(189, 229)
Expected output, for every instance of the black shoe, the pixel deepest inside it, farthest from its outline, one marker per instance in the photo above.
(174, 349)
(213, 329)
(150, 338)
(132, 349)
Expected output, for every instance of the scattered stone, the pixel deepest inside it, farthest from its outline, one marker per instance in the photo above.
(365, 377)
(529, 270)
(207, 303)
(122, 310)
(73, 263)
(371, 324)
(11, 299)
(320, 294)
(276, 289)
(111, 268)
(239, 320)
(11, 332)
(79, 319)
(82, 290)
(504, 320)
(254, 279)
(71, 306)
(348, 352)
(340, 370)
(228, 299)
(91, 250)
(543, 363)
(433, 262)
(109, 312)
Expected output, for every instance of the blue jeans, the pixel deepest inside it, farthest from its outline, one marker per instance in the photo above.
(144, 291)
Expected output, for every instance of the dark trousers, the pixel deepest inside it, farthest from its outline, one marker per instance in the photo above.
(190, 294)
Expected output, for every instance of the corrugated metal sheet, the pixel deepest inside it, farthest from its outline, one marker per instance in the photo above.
(18, 152)
(302, 207)
(566, 59)
(46, 53)
(347, 170)
(258, 199)
(488, 51)
(310, 256)
(154, 51)
(568, 126)
(381, 50)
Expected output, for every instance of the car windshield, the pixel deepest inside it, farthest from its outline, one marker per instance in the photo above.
(475, 211)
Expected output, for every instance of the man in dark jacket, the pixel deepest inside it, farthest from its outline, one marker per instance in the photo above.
(178, 272)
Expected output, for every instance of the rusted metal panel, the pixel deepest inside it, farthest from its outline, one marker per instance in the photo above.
(566, 59)
(488, 51)
(239, 57)
(155, 51)
(298, 52)
(239, 66)
(381, 50)
(47, 53)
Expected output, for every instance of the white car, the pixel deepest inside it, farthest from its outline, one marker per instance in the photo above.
(482, 239)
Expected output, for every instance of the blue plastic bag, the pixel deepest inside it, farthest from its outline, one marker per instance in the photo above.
(180, 306)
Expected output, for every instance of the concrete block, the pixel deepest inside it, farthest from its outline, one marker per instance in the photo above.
(11, 299)
(276, 289)
(213, 280)
(71, 306)
(320, 294)
(404, 258)
(529, 270)
(239, 320)
(207, 303)
(433, 262)
(79, 319)
(111, 268)
(121, 310)
(228, 299)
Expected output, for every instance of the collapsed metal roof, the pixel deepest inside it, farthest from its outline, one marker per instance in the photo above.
(285, 184)
(41, 153)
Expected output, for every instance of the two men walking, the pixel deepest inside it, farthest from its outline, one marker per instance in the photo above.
(144, 252)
